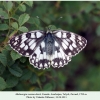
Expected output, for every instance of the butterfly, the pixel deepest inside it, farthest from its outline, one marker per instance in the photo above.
(46, 48)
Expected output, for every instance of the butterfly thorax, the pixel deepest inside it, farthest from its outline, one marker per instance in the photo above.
(49, 43)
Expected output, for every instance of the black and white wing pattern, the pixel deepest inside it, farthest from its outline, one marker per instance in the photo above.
(26, 43)
(70, 42)
(44, 49)
(67, 44)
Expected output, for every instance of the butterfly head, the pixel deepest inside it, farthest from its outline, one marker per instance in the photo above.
(49, 29)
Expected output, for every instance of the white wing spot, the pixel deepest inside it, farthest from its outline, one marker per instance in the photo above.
(16, 38)
(31, 42)
(27, 54)
(60, 63)
(68, 56)
(32, 46)
(73, 36)
(22, 45)
(38, 34)
(43, 44)
(36, 60)
(32, 61)
(79, 38)
(64, 35)
(68, 40)
(15, 43)
(32, 35)
(56, 44)
(58, 34)
(26, 47)
(45, 64)
(65, 42)
(44, 55)
(23, 40)
(56, 63)
(74, 45)
(69, 53)
(41, 56)
(80, 43)
(65, 47)
(23, 36)
(70, 47)
(41, 65)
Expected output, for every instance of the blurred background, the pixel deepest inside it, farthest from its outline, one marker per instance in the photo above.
(82, 73)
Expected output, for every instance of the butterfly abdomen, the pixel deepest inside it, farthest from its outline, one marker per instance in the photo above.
(49, 44)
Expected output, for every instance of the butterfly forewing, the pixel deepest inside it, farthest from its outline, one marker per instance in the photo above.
(26, 43)
(70, 43)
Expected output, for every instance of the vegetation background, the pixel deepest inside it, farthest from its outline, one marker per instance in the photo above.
(81, 17)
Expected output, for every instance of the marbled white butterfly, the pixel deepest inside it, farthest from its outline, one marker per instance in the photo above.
(46, 48)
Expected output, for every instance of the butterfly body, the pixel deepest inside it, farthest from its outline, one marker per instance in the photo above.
(49, 43)
(48, 48)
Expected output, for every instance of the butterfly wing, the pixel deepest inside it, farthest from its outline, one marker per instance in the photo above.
(39, 59)
(70, 43)
(59, 59)
(26, 43)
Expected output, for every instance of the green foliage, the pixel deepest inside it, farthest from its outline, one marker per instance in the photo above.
(15, 70)
(23, 18)
(98, 30)
(3, 59)
(15, 55)
(2, 84)
(82, 73)
(3, 27)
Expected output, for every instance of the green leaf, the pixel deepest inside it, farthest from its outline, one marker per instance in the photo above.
(22, 8)
(8, 5)
(23, 59)
(47, 87)
(15, 55)
(52, 27)
(3, 14)
(46, 20)
(89, 7)
(35, 21)
(3, 59)
(69, 19)
(11, 81)
(15, 70)
(33, 78)
(8, 47)
(10, 61)
(2, 69)
(2, 84)
(14, 25)
(23, 18)
(29, 3)
(4, 27)
(26, 74)
(23, 29)
(98, 5)
(98, 30)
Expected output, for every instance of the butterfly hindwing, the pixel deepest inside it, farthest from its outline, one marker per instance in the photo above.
(70, 43)
(59, 59)
(39, 58)
(26, 43)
